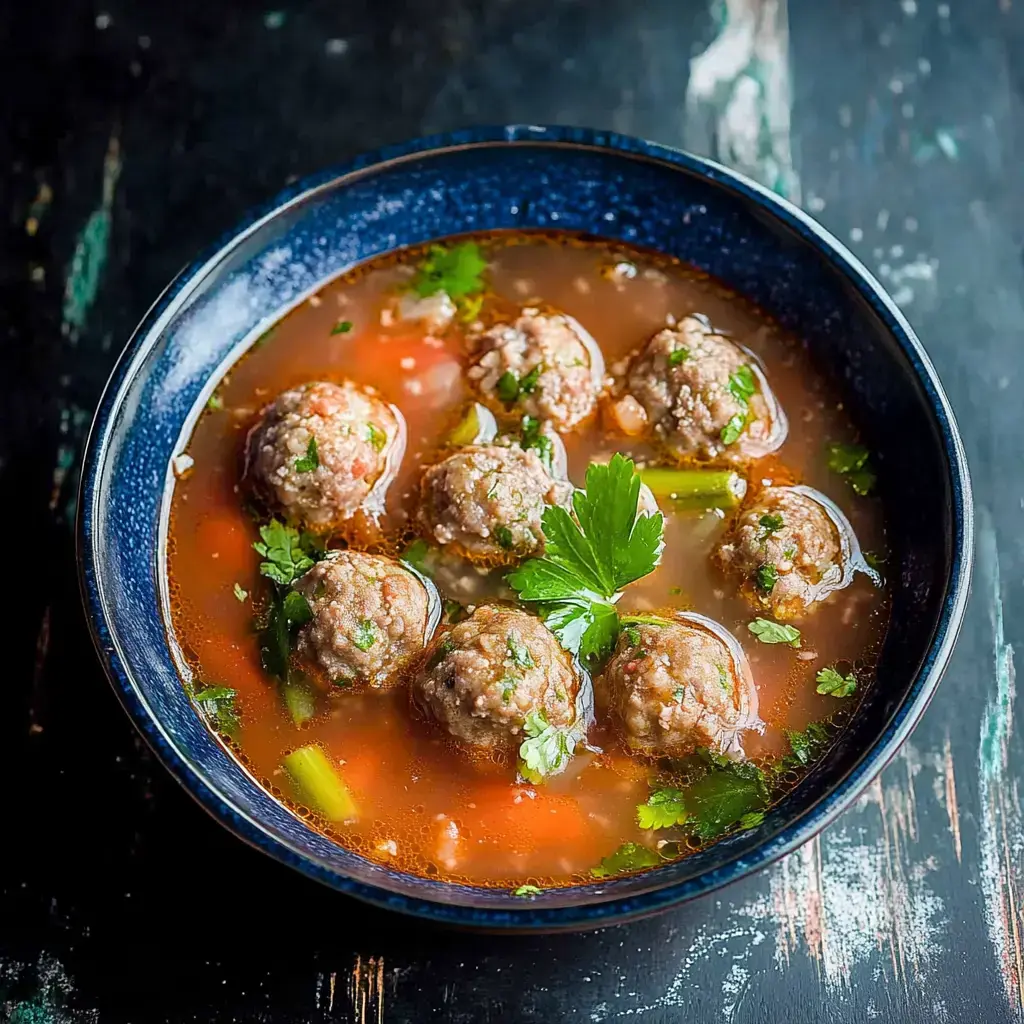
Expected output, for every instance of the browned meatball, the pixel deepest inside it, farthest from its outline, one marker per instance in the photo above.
(359, 440)
(486, 502)
(680, 685)
(482, 678)
(370, 615)
(545, 366)
(699, 395)
(789, 550)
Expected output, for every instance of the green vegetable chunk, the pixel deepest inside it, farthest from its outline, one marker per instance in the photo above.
(477, 427)
(766, 577)
(832, 682)
(341, 327)
(628, 857)
(696, 489)
(534, 438)
(508, 387)
(299, 697)
(677, 356)
(318, 784)
(769, 632)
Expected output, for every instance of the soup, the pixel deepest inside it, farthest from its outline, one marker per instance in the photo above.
(526, 560)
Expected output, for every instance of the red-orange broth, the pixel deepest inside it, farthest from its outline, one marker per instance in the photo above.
(408, 782)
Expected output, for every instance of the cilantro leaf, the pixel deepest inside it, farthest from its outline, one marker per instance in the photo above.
(518, 652)
(309, 461)
(508, 387)
(805, 746)
(287, 554)
(663, 809)
(770, 523)
(527, 890)
(677, 356)
(766, 577)
(732, 430)
(528, 384)
(628, 857)
(769, 632)
(341, 327)
(364, 635)
(377, 438)
(541, 443)
(218, 705)
(240, 594)
(742, 384)
(851, 462)
(831, 681)
(456, 270)
(546, 750)
(722, 797)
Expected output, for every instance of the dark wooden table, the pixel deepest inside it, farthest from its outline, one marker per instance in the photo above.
(136, 133)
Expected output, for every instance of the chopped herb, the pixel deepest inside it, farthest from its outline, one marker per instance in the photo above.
(677, 356)
(732, 430)
(805, 746)
(454, 612)
(309, 461)
(218, 705)
(518, 652)
(769, 632)
(742, 384)
(724, 796)
(215, 402)
(444, 648)
(341, 327)
(789, 554)
(590, 558)
(418, 555)
(675, 591)
(831, 681)
(471, 308)
(541, 443)
(240, 594)
(770, 523)
(723, 679)
(678, 694)
(851, 462)
(377, 438)
(628, 857)
(546, 750)
(365, 635)
(663, 809)
(527, 890)
(508, 685)
(456, 270)
(508, 387)
(751, 820)
(766, 577)
(503, 535)
(296, 609)
(287, 553)
(528, 384)
(875, 560)
(632, 635)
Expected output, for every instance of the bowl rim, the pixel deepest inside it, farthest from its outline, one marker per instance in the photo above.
(530, 917)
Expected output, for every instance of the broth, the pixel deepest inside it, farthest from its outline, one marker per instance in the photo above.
(408, 780)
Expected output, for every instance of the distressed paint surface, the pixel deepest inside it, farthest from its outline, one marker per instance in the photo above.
(896, 122)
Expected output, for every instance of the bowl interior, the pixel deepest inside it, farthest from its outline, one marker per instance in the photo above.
(631, 192)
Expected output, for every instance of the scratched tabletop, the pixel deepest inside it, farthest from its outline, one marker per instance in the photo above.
(136, 133)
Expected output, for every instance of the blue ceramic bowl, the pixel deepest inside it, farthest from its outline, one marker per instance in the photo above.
(522, 177)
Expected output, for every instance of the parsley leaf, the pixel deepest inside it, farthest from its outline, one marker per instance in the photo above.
(365, 635)
(456, 270)
(341, 327)
(663, 809)
(546, 750)
(508, 387)
(770, 523)
(527, 890)
(309, 461)
(831, 681)
(769, 632)
(528, 384)
(287, 553)
(377, 438)
(518, 652)
(766, 577)
(723, 797)
(742, 384)
(503, 535)
(677, 356)
(805, 746)
(419, 554)
(588, 559)
(541, 443)
(850, 461)
(732, 430)
(218, 705)
(628, 857)
(240, 594)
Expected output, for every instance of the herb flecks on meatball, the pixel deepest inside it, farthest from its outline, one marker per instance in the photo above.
(543, 365)
(323, 452)
(495, 678)
(675, 687)
(486, 502)
(370, 615)
(698, 395)
(789, 551)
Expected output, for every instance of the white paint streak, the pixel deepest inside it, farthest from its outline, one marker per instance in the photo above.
(1001, 835)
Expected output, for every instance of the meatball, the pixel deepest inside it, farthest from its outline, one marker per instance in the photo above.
(674, 686)
(323, 452)
(486, 501)
(370, 615)
(699, 395)
(545, 366)
(485, 675)
(791, 548)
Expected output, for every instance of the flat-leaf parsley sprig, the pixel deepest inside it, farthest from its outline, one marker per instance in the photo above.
(590, 558)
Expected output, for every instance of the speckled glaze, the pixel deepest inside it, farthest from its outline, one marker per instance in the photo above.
(522, 177)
